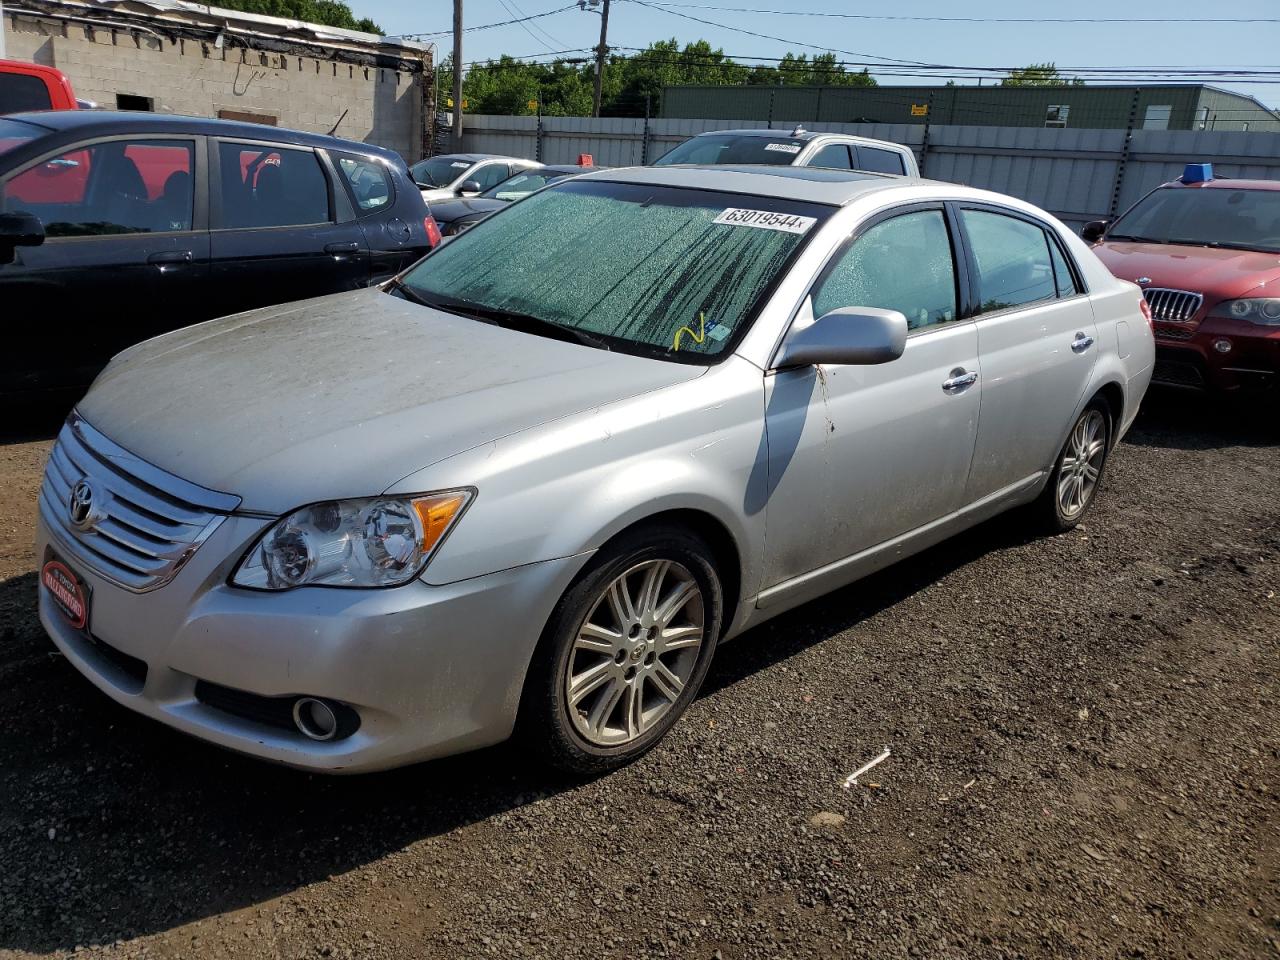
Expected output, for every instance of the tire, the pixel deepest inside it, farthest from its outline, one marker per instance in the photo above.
(1071, 490)
(611, 676)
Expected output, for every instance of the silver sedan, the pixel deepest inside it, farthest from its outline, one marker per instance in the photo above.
(532, 485)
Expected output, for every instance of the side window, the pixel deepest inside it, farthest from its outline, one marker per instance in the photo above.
(876, 160)
(20, 92)
(490, 175)
(119, 186)
(271, 186)
(834, 155)
(900, 264)
(369, 180)
(1063, 279)
(1012, 257)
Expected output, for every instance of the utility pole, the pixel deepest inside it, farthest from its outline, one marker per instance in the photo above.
(457, 75)
(1, 28)
(602, 51)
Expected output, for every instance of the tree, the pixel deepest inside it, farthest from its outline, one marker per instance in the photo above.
(1039, 75)
(329, 13)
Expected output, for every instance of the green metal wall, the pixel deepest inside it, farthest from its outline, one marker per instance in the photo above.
(1090, 107)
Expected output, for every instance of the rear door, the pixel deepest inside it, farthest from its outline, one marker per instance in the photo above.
(1036, 338)
(280, 230)
(126, 254)
(393, 225)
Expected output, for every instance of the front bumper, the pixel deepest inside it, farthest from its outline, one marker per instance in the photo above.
(1190, 359)
(431, 670)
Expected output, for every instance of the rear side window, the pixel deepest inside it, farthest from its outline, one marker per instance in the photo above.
(1063, 278)
(903, 264)
(271, 187)
(19, 92)
(119, 186)
(1012, 258)
(875, 160)
(368, 179)
(834, 156)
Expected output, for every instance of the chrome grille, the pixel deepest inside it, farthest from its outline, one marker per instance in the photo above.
(143, 524)
(1173, 306)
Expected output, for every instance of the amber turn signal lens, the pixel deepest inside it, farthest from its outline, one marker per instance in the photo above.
(436, 514)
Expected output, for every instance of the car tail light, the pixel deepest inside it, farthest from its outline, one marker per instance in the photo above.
(1146, 312)
(433, 230)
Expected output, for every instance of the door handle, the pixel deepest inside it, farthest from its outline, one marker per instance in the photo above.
(958, 380)
(1081, 343)
(170, 257)
(350, 247)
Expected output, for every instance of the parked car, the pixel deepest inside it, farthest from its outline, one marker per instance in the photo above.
(30, 86)
(1207, 254)
(464, 174)
(799, 148)
(536, 480)
(119, 226)
(455, 216)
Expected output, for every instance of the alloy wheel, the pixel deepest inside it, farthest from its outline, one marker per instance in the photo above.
(635, 652)
(1081, 464)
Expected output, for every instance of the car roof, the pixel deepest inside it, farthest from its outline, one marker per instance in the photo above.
(92, 123)
(1225, 183)
(470, 157)
(793, 133)
(810, 184)
(563, 168)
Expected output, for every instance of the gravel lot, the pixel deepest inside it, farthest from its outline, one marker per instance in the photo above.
(1086, 763)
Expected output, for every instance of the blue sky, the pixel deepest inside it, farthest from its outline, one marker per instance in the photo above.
(1171, 41)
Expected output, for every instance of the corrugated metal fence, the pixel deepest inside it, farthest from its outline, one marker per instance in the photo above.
(1078, 175)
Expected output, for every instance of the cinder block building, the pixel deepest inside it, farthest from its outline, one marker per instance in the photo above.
(194, 59)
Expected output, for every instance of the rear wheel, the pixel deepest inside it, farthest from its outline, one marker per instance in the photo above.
(624, 653)
(1076, 476)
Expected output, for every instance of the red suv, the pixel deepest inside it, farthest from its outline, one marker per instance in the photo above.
(29, 86)
(1206, 253)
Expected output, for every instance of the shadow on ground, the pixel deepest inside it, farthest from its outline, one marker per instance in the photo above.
(113, 826)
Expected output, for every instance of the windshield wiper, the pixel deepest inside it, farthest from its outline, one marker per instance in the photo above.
(1226, 245)
(1133, 239)
(527, 323)
(508, 319)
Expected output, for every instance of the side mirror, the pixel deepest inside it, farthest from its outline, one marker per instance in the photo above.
(861, 335)
(19, 230)
(469, 188)
(1094, 230)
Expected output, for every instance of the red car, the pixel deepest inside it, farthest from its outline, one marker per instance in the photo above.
(29, 86)
(1206, 253)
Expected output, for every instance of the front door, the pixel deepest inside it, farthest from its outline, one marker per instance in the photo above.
(861, 454)
(1036, 337)
(275, 231)
(125, 257)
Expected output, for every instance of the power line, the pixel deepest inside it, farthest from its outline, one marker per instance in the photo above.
(766, 36)
(514, 9)
(878, 16)
(494, 26)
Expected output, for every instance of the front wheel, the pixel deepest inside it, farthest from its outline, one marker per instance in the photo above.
(624, 653)
(1077, 475)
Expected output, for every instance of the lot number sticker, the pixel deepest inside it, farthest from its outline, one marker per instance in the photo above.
(765, 220)
(782, 147)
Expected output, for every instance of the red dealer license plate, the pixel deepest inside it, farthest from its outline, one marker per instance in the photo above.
(67, 591)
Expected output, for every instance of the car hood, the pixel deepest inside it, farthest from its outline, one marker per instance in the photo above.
(344, 395)
(1217, 273)
(447, 211)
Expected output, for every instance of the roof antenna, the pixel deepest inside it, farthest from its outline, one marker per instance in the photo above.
(799, 131)
(334, 128)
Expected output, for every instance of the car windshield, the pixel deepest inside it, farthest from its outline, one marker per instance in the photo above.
(1205, 216)
(14, 133)
(513, 188)
(659, 271)
(735, 148)
(439, 171)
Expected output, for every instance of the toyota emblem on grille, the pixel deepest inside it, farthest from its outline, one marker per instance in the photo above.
(1144, 280)
(80, 505)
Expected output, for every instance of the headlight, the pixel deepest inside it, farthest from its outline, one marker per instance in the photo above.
(374, 542)
(461, 226)
(1264, 310)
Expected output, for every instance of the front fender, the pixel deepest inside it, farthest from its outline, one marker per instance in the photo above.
(565, 488)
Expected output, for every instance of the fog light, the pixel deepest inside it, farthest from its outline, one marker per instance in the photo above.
(1222, 346)
(315, 718)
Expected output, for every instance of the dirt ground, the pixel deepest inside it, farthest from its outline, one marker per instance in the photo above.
(1086, 764)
